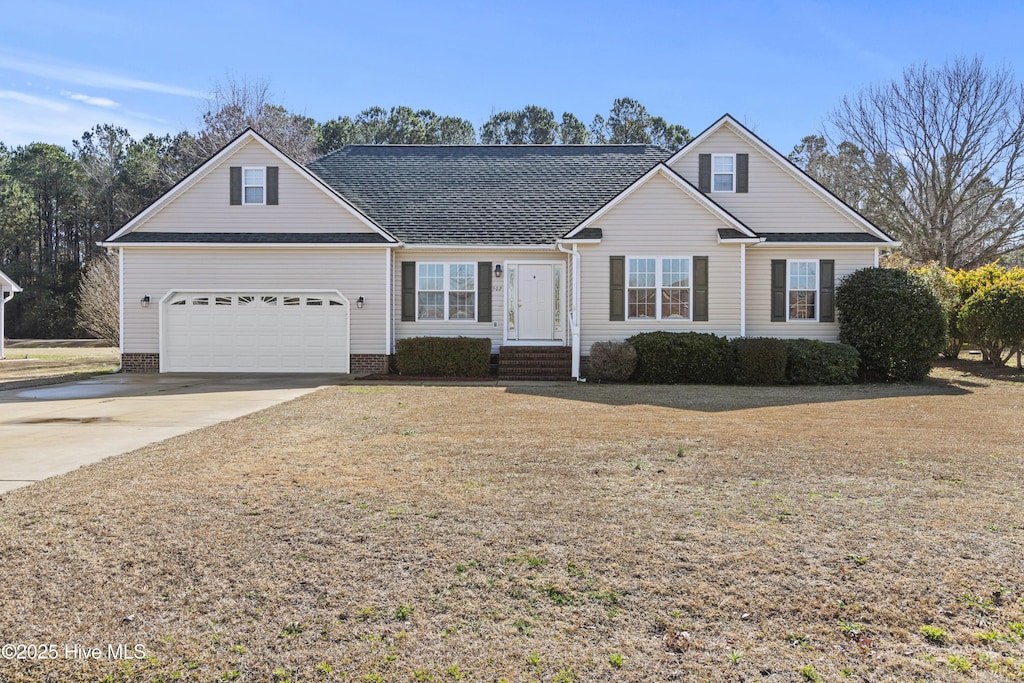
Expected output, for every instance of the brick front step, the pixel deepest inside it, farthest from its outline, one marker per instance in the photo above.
(552, 363)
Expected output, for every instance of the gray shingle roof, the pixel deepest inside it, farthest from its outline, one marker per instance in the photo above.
(831, 237)
(253, 238)
(481, 194)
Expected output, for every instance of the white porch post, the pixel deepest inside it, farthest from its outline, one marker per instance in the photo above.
(389, 343)
(3, 300)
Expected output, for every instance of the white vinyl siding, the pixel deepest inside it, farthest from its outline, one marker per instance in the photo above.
(204, 207)
(658, 218)
(495, 331)
(759, 287)
(154, 272)
(775, 201)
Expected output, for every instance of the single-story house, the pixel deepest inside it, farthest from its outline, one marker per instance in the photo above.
(8, 288)
(255, 263)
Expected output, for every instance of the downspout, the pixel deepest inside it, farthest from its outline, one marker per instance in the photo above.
(876, 257)
(120, 304)
(574, 311)
(3, 301)
(743, 290)
(389, 343)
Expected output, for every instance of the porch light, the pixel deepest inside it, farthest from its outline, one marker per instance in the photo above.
(144, 301)
(497, 270)
(359, 302)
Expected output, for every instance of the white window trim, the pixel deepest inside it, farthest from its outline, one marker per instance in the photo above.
(733, 174)
(447, 275)
(658, 287)
(816, 290)
(263, 185)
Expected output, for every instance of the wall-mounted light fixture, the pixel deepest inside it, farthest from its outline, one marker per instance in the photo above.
(359, 302)
(497, 270)
(144, 301)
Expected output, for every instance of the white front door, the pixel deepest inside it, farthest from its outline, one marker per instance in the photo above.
(536, 303)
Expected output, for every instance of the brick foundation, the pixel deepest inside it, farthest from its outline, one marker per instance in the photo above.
(368, 364)
(140, 362)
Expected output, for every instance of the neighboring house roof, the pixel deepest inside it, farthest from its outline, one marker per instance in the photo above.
(785, 164)
(251, 238)
(8, 282)
(483, 194)
(822, 237)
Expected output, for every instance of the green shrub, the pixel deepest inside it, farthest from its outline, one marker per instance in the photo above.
(809, 361)
(893, 320)
(760, 360)
(682, 358)
(443, 356)
(614, 361)
(993, 318)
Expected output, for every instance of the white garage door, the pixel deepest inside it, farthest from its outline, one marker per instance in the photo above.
(255, 332)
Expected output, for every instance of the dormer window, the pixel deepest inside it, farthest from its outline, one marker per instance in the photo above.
(723, 173)
(253, 185)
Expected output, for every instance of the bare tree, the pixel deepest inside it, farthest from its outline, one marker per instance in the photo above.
(235, 106)
(98, 298)
(944, 151)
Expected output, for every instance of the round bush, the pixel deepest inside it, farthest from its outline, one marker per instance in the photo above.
(893, 320)
(615, 361)
(682, 358)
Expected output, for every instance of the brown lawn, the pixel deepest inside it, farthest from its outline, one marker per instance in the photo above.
(43, 362)
(542, 533)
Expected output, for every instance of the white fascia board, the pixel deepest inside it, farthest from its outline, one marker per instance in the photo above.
(744, 240)
(477, 247)
(680, 182)
(248, 245)
(9, 282)
(786, 165)
(578, 241)
(216, 160)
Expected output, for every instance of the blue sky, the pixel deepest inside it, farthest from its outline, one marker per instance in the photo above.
(778, 65)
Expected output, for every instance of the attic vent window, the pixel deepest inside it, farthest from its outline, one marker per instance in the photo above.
(253, 185)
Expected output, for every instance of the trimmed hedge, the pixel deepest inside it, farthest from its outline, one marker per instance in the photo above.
(682, 358)
(443, 356)
(809, 361)
(760, 360)
(893, 320)
(615, 361)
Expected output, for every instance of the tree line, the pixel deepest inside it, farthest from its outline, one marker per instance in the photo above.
(935, 158)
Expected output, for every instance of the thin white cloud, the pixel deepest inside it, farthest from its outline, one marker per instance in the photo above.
(33, 101)
(89, 99)
(95, 78)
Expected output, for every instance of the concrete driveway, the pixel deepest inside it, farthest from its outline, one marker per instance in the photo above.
(49, 430)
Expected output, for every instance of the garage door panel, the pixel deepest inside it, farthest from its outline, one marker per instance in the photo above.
(255, 332)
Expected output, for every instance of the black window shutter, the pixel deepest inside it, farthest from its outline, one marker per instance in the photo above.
(236, 186)
(617, 288)
(827, 289)
(408, 291)
(778, 290)
(742, 171)
(704, 172)
(272, 185)
(483, 291)
(700, 288)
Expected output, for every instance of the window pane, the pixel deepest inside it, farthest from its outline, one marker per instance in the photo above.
(254, 176)
(675, 303)
(641, 303)
(723, 164)
(801, 305)
(641, 272)
(675, 272)
(462, 277)
(723, 182)
(430, 306)
(254, 195)
(431, 276)
(461, 305)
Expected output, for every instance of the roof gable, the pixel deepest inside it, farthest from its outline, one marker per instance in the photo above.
(784, 165)
(483, 194)
(7, 283)
(250, 145)
(662, 170)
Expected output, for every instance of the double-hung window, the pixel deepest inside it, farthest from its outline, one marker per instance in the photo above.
(658, 288)
(802, 290)
(254, 185)
(446, 291)
(723, 172)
